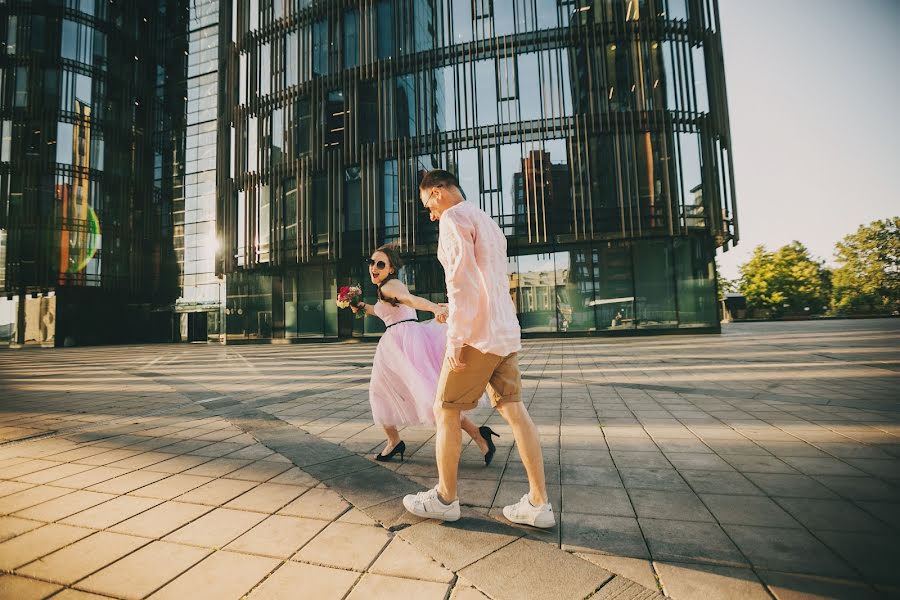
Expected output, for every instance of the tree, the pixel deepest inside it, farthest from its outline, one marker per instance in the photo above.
(867, 279)
(787, 281)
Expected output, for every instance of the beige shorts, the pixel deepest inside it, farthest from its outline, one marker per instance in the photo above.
(462, 389)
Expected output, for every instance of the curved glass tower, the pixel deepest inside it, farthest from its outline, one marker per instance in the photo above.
(594, 132)
(92, 112)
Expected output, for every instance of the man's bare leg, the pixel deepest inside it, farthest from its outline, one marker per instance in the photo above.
(448, 447)
(529, 444)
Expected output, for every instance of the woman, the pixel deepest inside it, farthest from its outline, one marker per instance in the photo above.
(408, 359)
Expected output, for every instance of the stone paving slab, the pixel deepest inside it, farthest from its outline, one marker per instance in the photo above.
(767, 432)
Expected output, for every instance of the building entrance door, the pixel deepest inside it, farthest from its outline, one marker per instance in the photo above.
(197, 327)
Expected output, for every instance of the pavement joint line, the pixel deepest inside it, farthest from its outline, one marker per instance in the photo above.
(402, 528)
(516, 532)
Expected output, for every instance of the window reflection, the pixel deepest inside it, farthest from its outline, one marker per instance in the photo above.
(351, 38)
(390, 198)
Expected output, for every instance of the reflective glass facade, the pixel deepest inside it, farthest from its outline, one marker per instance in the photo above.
(594, 132)
(199, 306)
(92, 125)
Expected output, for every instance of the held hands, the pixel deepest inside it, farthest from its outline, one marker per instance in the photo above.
(441, 313)
(359, 306)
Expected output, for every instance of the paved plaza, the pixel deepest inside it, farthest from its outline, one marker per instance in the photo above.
(760, 463)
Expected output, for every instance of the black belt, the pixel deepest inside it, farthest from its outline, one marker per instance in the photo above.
(403, 321)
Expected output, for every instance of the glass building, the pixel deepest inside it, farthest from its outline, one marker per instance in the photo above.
(594, 132)
(199, 305)
(92, 107)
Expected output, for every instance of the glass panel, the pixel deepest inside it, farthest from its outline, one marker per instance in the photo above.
(467, 172)
(302, 117)
(242, 79)
(351, 39)
(700, 79)
(504, 22)
(263, 225)
(289, 206)
(6, 146)
(533, 284)
(248, 307)
(21, 95)
(320, 48)
(252, 144)
(691, 179)
(611, 272)
(511, 187)
(676, 9)
(11, 30)
(462, 21)
(424, 28)
(529, 86)
(368, 117)
(385, 26)
(695, 283)
(265, 69)
(486, 98)
(311, 303)
(292, 56)
(65, 133)
(406, 106)
(69, 45)
(353, 199)
(240, 254)
(445, 97)
(390, 197)
(557, 178)
(278, 136)
(320, 211)
(654, 283)
(576, 308)
(334, 118)
(546, 14)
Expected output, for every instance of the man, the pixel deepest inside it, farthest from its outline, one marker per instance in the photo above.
(483, 340)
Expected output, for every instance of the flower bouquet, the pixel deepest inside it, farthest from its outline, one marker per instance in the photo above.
(350, 296)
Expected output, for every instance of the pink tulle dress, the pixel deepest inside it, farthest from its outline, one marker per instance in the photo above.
(406, 367)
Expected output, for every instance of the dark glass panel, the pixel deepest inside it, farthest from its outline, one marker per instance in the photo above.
(390, 198)
(654, 279)
(353, 199)
(695, 282)
(320, 48)
(385, 29)
(351, 38)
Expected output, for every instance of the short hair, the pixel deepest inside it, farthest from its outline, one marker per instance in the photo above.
(438, 178)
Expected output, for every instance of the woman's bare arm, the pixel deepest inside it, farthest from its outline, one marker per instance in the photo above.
(396, 289)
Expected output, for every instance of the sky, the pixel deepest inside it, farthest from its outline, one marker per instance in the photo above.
(814, 100)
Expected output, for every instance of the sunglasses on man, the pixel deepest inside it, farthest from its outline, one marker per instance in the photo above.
(378, 263)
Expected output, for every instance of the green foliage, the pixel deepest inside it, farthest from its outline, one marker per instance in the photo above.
(785, 282)
(867, 279)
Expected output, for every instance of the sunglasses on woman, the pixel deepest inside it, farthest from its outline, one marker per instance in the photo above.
(378, 263)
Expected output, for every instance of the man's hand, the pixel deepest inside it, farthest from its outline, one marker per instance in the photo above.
(454, 357)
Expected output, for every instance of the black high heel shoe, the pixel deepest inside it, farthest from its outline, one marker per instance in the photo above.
(399, 448)
(486, 432)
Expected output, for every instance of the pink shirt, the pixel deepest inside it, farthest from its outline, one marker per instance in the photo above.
(472, 250)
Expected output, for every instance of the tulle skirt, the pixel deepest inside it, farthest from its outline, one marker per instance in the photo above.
(405, 373)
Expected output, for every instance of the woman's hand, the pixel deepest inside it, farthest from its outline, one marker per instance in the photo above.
(441, 313)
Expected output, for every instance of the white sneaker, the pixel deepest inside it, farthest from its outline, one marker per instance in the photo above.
(527, 514)
(428, 504)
